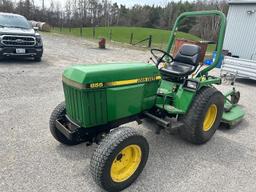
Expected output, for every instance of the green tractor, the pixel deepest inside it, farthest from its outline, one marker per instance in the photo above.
(174, 92)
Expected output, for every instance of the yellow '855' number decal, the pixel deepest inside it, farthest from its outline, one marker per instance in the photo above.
(124, 82)
(96, 85)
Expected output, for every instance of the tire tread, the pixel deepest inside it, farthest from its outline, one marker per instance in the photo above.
(106, 149)
(191, 119)
(57, 113)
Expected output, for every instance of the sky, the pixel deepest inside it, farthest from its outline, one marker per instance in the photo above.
(128, 3)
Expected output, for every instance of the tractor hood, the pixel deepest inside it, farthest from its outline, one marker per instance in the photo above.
(109, 73)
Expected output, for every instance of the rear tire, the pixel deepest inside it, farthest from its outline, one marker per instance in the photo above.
(119, 159)
(38, 59)
(58, 113)
(203, 117)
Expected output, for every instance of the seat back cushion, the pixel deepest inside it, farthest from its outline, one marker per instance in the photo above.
(188, 54)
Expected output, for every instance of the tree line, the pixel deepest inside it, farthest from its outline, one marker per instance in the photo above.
(88, 13)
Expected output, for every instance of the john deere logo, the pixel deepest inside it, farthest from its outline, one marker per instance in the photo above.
(19, 41)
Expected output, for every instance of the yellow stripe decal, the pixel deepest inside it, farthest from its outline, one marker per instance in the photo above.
(110, 84)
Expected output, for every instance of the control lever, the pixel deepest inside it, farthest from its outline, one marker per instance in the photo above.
(151, 59)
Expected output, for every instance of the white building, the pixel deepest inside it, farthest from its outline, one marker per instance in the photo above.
(240, 36)
(240, 39)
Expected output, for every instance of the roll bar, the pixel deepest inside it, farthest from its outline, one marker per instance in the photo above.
(220, 38)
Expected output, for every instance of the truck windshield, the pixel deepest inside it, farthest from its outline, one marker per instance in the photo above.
(14, 21)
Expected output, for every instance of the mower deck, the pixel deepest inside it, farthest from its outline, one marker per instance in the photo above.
(234, 116)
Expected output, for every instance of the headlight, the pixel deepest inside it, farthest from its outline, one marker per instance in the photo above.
(191, 84)
(39, 41)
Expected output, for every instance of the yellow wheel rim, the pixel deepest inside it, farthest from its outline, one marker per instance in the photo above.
(210, 117)
(126, 163)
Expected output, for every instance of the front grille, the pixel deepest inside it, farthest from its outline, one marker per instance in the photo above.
(88, 108)
(15, 40)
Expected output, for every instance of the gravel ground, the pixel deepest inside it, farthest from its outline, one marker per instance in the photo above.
(31, 160)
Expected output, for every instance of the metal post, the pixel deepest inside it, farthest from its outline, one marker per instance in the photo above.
(81, 31)
(61, 22)
(110, 35)
(94, 32)
(162, 42)
(131, 38)
(150, 41)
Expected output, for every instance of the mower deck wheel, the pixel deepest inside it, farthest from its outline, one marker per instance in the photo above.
(119, 159)
(235, 98)
(57, 113)
(203, 117)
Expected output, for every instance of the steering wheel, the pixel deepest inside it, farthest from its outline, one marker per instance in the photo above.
(161, 59)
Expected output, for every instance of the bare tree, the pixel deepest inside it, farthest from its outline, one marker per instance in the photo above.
(83, 13)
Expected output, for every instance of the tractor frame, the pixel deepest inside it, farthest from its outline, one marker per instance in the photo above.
(191, 105)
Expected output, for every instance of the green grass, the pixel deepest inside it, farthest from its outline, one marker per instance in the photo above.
(123, 34)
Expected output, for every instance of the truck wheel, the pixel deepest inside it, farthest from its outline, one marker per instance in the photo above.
(57, 113)
(203, 117)
(38, 59)
(119, 159)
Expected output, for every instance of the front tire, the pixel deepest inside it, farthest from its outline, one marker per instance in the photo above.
(119, 159)
(203, 117)
(38, 59)
(58, 113)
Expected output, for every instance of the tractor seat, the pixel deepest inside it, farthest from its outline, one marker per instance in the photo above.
(185, 62)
